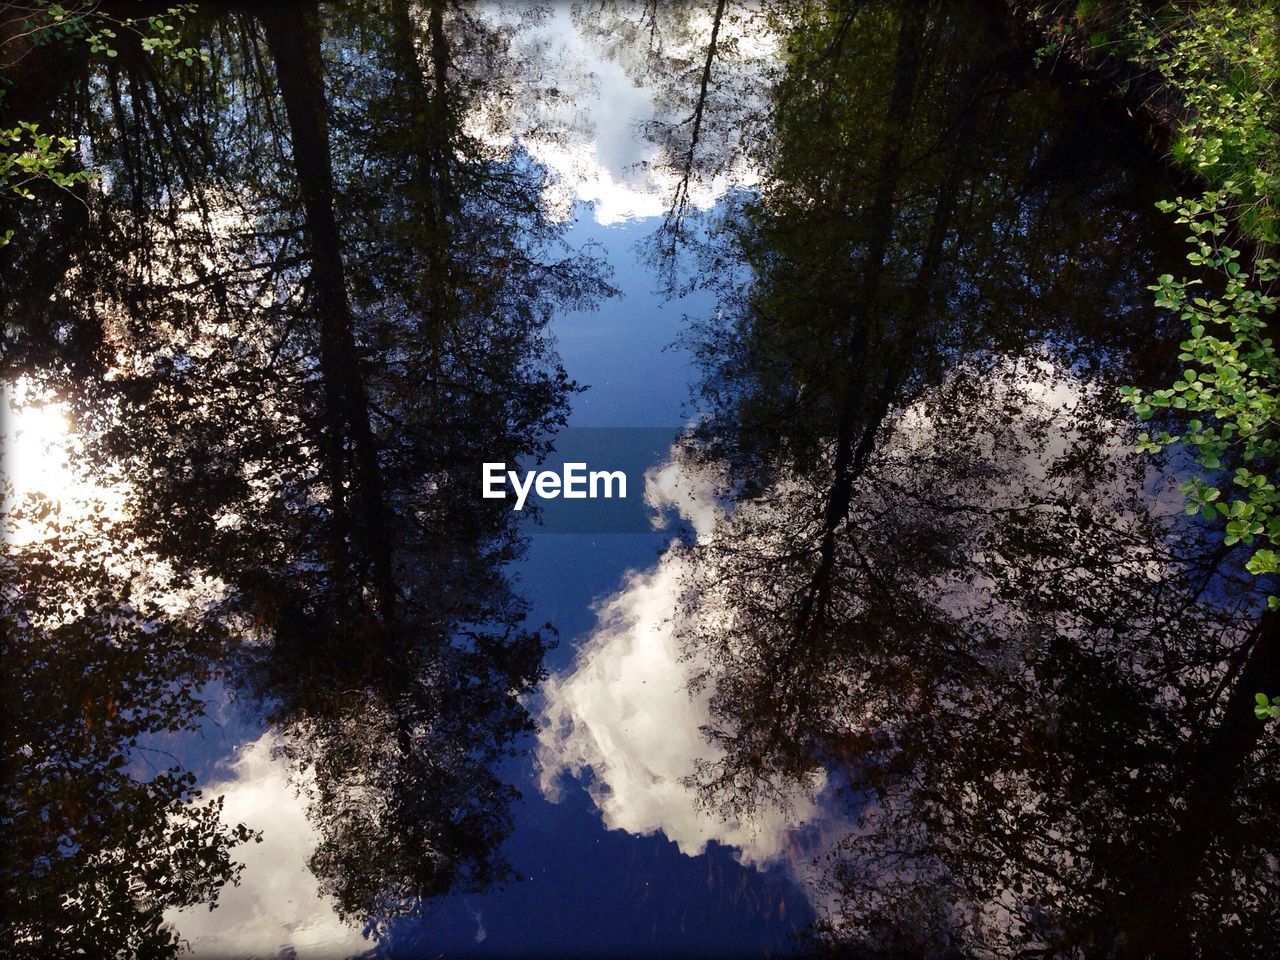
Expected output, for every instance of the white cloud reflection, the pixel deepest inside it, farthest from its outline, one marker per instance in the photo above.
(590, 136)
(624, 720)
(278, 910)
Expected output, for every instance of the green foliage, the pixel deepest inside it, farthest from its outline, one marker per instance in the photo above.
(28, 155)
(85, 22)
(1223, 62)
(1230, 384)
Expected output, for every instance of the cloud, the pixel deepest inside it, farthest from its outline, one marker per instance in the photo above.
(591, 139)
(690, 493)
(624, 720)
(278, 909)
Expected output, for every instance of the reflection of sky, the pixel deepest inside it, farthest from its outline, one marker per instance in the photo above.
(623, 352)
(590, 890)
(587, 890)
(661, 881)
(634, 869)
(590, 139)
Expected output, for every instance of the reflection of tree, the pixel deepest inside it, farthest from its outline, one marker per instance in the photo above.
(1055, 727)
(458, 278)
(101, 833)
(885, 209)
(943, 585)
(1032, 686)
(881, 250)
(403, 794)
(309, 305)
(706, 67)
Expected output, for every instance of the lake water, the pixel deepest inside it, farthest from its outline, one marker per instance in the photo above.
(896, 647)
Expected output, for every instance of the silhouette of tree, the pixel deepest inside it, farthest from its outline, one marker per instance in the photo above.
(944, 589)
(301, 308)
(102, 832)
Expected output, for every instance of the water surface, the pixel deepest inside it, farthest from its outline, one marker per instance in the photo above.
(917, 657)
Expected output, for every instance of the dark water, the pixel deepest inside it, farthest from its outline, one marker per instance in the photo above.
(926, 661)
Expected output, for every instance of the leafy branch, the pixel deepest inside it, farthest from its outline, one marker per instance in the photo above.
(1231, 381)
(1224, 63)
(28, 154)
(86, 22)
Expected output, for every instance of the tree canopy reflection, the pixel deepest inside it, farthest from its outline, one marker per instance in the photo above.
(310, 293)
(304, 300)
(944, 584)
